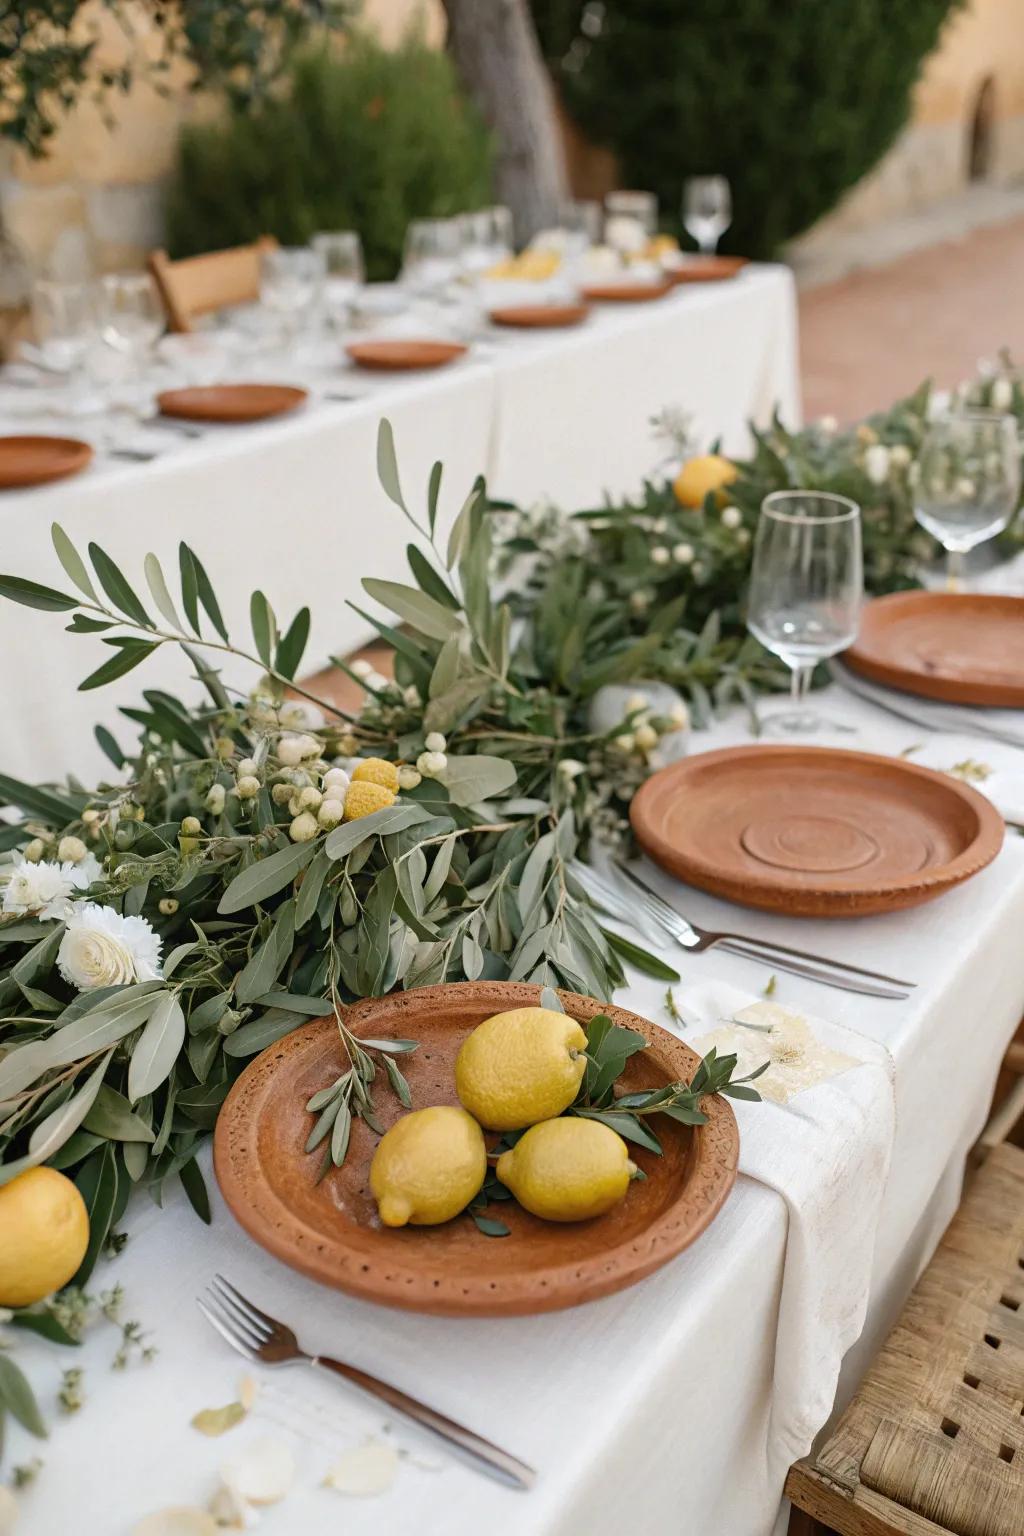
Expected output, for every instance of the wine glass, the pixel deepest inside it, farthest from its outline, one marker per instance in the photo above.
(291, 280)
(581, 221)
(64, 321)
(131, 315)
(486, 238)
(433, 248)
(342, 251)
(806, 583)
(968, 482)
(707, 210)
(630, 221)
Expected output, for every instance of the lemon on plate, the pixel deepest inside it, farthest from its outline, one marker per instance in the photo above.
(44, 1232)
(568, 1169)
(519, 1067)
(428, 1167)
(708, 472)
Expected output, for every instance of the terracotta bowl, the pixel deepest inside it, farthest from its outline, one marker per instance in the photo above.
(962, 647)
(539, 316)
(34, 460)
(398, 355)
(708, 269)
(626, 293)
(813, 831)
(331, 1232)
(230, 403)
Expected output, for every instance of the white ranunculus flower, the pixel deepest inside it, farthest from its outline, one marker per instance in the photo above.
(1002, 395)
(46, 889)
(100, 948)
(876, 463)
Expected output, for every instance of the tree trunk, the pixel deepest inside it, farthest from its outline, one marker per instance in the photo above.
(496, 53)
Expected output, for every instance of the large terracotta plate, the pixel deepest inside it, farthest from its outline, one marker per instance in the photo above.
(330, 1231)
(814, 832)
(35, 460)
(966, 648)
(399, 355)
(539, 316)
(707, 269)
(626, 293)
(230, 403)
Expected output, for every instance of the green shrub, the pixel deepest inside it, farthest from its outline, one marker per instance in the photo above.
(793, 100)
(364, 139)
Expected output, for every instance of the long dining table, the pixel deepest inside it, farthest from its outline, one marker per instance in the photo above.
(676, 1405)
(293, 507)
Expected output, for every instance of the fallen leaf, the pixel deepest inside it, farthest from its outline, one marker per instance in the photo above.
(183, 1520)
(217, 1421)
(365, 1470)
(262, 1473)
(8, 1511)
(248, 1391)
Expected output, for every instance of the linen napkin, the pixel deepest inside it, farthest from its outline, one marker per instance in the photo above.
(826, 1151)
(931, 714)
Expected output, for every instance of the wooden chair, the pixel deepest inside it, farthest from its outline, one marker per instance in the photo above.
(199, 284)
(933, 1442)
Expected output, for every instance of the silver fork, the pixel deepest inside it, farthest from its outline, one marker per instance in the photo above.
(258, 1336)
(642, 900)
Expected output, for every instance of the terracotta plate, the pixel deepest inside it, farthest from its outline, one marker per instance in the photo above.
(966, 648)
(35, 460)
(540, 316)
(625, 293)
(400, 354)
(230, 402)
(330, 1230)
(708, 269)
(814, 832)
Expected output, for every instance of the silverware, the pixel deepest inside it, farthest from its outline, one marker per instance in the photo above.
(928, 716)
(133, 455)
(641, 900)
(259, 1337)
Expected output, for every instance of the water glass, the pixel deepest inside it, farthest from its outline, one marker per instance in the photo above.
(64, 322)
(581, 221)
(968, 482)
(432, 255)
(486, 238)
(642, 207)
(130, 313)
(342, 251)
(291, 281)
(806, 584)
(707, 210)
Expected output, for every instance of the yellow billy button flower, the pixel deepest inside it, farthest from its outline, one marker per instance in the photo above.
(364, 798)
(376, 770)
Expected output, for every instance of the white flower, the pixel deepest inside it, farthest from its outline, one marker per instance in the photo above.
(659, 555)
(304, 828)
(900, 455)
(216, 796)
(291, 750)
(336, 778)
(679, 715)
(35, 850)
(965, 488)
(297, 715)
(660, 525)
(71, 850)
(360, 667)
(646, 737)
(743, 536)
(625, 742)
(828, 425)
(570, 768)
(376, 681)
(411, 695)
(682, 554)
(435, 742)
(247, 787)
(330, 814)
(876, 463)
(732, 517)
(408, 778)
(100, 948)
(639, 601)
(1001, 397)
(45, 889)
(430, 764)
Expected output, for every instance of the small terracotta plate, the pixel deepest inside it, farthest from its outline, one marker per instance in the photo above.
(230, 403)
(399, 354)
(814, 832)
(28, 461)
(707, 269)
(331, 1232)
(625, 293)
(540, 316)
(965, 648)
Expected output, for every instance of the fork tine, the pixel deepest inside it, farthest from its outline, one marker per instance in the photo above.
(233, 1308)
(254, 1312)
(215, 1322)
(239, 1326)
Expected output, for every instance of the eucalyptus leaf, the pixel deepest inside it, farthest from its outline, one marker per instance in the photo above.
(157, 1048)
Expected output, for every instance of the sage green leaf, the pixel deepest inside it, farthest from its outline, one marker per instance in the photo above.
(294, 1002)
(72, 562)
(446, 668)
(424, 613)
(130, 653)
(159, 592)
(112, 1116)
(459, 535)
(117, 588)
(290, 650)
(176, 956)
(106, 1024)
(264, 627)
(629, 1127)
(439, 870)
(266, 877)
(309, 891)
(387, 465)
(259, 1033)
(108, 745)
(46, 1326)
(446, 710)
(38, 800)
(157, 1048)
(263, 968)
(433, 490)
(194, 1185)
(549, 998)
(189, 585)
(99, 1184)
(398, 1083)
(340, 1135)
(31, 595)
(58, 1127)
(18, 1397)
(428, 579)
(202, 1103)
(217, 1421)
(206, 595)
(535, 873)
(470, 780)
(393, 818)
(21, 1065)
(642, 959)
(81, 624)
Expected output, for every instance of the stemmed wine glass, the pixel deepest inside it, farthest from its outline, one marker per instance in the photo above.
(131, 315)
(805, 590)
(64, 322)
(707, 210)
(342, 252)
(486, 238)
(291, 281)
(433, 251)
(968, 482)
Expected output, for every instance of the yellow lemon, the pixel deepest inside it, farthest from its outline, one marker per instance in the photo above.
(44, 1232)
(568, 1169)
(709, 472)
(376, 770)
(428, 1167)
(363, 799)
(520, 1067)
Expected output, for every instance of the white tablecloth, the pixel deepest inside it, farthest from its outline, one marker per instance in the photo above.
(293, 507)
(673, 1403)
